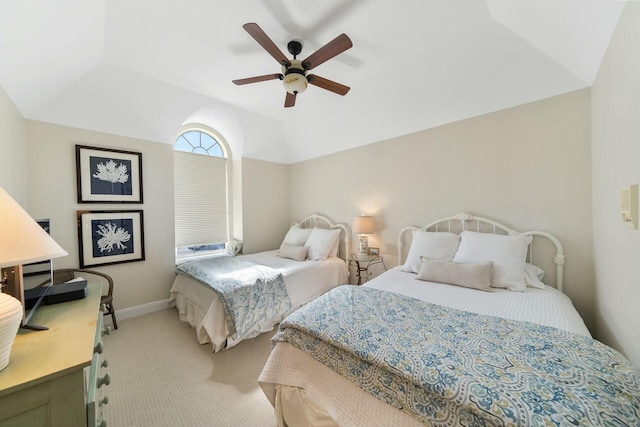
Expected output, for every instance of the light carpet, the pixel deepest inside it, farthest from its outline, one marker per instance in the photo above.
(162, 377)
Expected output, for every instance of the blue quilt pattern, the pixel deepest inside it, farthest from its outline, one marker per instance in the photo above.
(449, 367)
(250, 293)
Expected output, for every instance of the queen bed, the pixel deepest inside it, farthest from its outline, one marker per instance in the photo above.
(463, 332)
(312, 259)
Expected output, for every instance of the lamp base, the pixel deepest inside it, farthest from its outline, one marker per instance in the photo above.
(363, 243)
(10, 318)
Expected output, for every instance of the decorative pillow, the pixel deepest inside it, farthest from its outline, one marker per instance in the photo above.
(432, 245)
(297, 236)
(320, 242)
(335, 248)
(533, 276)
(475, 276)
(234, 247)
(507, 253)
(298, 253)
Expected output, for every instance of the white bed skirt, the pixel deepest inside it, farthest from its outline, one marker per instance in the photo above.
(305, 392)
(201, 307)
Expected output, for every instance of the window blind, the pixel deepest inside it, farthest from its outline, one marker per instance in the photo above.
(200, 199)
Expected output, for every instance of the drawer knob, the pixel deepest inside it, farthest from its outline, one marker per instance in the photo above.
(106, 380)
(99, 348)
(104, 363)
(102, 423)
(106, 331)
(104, 401)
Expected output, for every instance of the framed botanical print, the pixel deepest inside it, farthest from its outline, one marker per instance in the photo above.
(110, 237)
(108, 176)
(41, 267)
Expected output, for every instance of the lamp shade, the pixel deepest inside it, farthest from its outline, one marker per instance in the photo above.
(363, 224)
(22, 240)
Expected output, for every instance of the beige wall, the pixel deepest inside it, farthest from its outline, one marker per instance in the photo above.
(528, 167)
(52, 194)
(616, 163)
(265, 202)
(13, 150)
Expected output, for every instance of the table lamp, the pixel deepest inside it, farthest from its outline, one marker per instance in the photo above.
(363, 225)
(22, 241)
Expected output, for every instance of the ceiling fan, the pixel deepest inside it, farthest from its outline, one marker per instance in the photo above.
(294, 72)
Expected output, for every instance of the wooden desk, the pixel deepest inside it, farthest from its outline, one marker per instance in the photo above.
(43, 385)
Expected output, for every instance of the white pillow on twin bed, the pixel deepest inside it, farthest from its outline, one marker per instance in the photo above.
(298, 253)
(507, 253)
(431, 245)
(320, 243)
(469, 275)
(533, 276)
(297, 236)
(335, 248)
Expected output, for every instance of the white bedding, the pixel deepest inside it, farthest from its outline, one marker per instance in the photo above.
(200, 306)
(547, 307)
(329, 399)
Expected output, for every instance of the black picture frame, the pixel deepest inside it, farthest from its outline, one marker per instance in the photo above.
(110, 237)
(106, 175)
(41, 267)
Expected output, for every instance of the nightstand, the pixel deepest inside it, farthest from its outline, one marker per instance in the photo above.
(362, 263)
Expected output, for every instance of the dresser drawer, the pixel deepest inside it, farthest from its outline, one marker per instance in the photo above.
(97, 378)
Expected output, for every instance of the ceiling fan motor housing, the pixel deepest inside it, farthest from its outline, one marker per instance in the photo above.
(294, 47)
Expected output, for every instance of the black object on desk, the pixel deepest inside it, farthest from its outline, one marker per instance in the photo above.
(56, 294)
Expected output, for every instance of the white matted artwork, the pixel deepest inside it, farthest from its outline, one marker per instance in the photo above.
(110, 237)
(108, 176)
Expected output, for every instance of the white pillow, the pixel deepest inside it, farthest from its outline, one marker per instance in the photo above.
(533, 276)
(335, 248)
(320, 242)
(507, 253)
(298, 253)
(297, 236)
(469, 275)
(432, 245)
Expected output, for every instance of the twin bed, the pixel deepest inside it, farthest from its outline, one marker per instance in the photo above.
(286, 271)
(463, 332)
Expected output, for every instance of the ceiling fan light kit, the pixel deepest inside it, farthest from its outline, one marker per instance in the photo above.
(294, 72)
(295, 83)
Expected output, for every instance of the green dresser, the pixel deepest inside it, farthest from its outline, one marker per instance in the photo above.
(56, 378)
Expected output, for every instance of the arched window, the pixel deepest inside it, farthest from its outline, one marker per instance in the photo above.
(201, 192)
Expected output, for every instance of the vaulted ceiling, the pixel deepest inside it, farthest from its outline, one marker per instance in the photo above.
(142, 68)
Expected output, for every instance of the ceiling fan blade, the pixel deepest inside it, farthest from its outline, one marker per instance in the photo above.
(263, 39)
(328, 84)
(333, 48)
(289, 100)
(257, 79)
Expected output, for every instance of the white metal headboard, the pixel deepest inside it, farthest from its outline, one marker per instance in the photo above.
(322, 221)
(463, 221)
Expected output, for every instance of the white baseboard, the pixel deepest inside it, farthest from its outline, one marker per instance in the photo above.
(128, 313)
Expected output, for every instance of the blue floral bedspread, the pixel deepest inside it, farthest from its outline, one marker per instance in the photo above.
(450, 367)
(250, 293)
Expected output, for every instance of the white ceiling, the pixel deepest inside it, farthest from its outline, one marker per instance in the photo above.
(141, 68)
